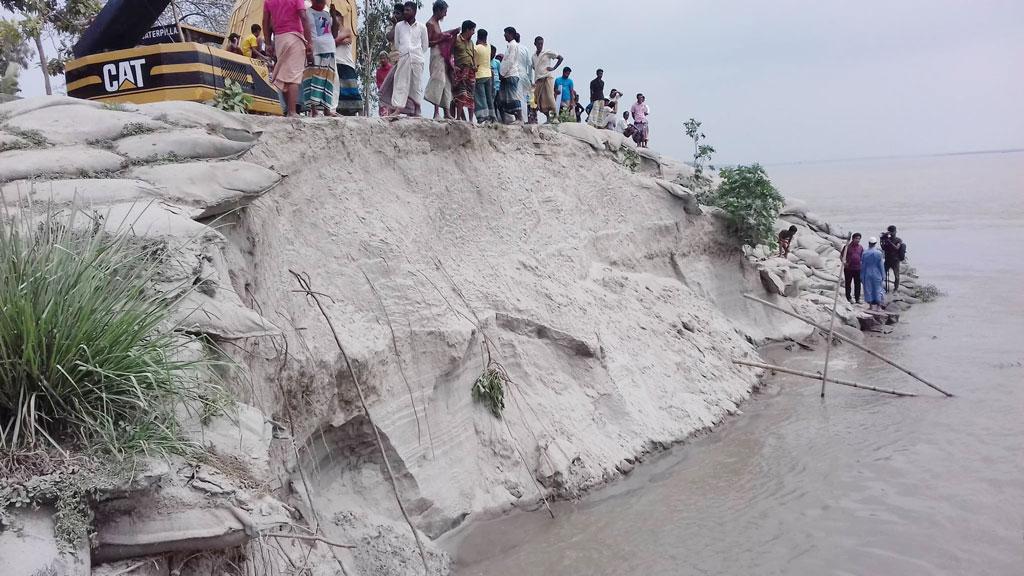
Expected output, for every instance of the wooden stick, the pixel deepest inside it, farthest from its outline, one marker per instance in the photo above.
(835, 305)
(814, 376)
(307, 539)
(850, 341)
(307, 289)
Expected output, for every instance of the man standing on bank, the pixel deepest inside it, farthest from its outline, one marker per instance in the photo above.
(483, 95)
(411, 42)
(290, 40)
(544, 83)
(895, 252)
(872, 273)
(596, 93)
(439, 85)
(852, 256)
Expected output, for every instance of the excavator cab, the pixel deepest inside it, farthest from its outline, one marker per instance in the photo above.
(122, 58)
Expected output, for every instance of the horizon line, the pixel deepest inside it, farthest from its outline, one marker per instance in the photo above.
(897, 156)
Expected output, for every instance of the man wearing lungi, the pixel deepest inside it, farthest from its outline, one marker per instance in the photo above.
(411, 41)
(290, 41)
(544, 84)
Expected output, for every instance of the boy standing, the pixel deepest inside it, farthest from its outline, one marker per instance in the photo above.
(252, 45)
(319, 79)
(563, 89)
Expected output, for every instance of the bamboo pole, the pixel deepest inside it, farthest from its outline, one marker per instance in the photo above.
(850, 341)
(177, 19)
(814, 376)
(835, 305)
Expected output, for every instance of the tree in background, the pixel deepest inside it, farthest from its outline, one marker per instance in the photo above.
(372, 40)
(701, 157)
(751, 202)
(212, 15)
(65, 20)
(14, 54)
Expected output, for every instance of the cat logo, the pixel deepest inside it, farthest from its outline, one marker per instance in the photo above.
(124, 75)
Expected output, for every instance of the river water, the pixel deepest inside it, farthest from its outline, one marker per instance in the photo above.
(859, 483)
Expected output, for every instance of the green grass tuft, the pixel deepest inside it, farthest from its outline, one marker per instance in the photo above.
(88, 356)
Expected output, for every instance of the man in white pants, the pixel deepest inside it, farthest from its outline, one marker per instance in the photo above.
(411, 42)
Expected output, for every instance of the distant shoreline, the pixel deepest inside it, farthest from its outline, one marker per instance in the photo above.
(898, 157)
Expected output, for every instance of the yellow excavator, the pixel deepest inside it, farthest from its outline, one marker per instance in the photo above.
(123, 58)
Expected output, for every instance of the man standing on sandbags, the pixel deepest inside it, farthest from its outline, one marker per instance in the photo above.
(852, 256)
(412, 44)
(544, 86)
(895, 252)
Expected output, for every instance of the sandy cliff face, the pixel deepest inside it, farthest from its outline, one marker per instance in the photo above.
(609, 297)
(615, 312)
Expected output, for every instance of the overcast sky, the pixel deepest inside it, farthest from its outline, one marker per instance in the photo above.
(790, 80)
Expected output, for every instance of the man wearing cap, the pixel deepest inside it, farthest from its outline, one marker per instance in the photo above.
(872, 274)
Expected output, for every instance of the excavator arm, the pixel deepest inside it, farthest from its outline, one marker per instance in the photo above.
(119, 25)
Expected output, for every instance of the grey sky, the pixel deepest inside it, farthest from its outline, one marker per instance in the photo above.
(791, 80)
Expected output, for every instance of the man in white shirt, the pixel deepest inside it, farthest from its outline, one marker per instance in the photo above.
(412, 45)
(544, 85)
(509, 101)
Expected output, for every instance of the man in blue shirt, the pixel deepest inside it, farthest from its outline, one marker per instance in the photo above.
(563, 89)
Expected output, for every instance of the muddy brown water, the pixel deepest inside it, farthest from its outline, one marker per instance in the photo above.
(859, 483)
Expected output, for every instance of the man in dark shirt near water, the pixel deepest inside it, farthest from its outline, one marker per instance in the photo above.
(851, 267)
(893, 249)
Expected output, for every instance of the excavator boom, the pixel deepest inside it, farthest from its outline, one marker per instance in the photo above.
(119, 25)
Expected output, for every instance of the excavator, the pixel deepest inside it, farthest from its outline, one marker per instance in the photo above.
(123, 58)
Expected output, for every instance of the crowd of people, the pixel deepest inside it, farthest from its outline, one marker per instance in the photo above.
(467, 77)
(864, 270)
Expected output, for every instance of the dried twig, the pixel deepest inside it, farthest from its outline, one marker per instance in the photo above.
(308, 539)
(304, 283)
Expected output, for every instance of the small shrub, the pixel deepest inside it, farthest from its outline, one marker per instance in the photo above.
(489, 389)
(116, 107)
(88, 358)
(135, 129)
(630, 158)
(702, 153)
(29, 479)
(567, 115)
(32, 138)
(232, 98)
(752, 203)
(927, 293)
